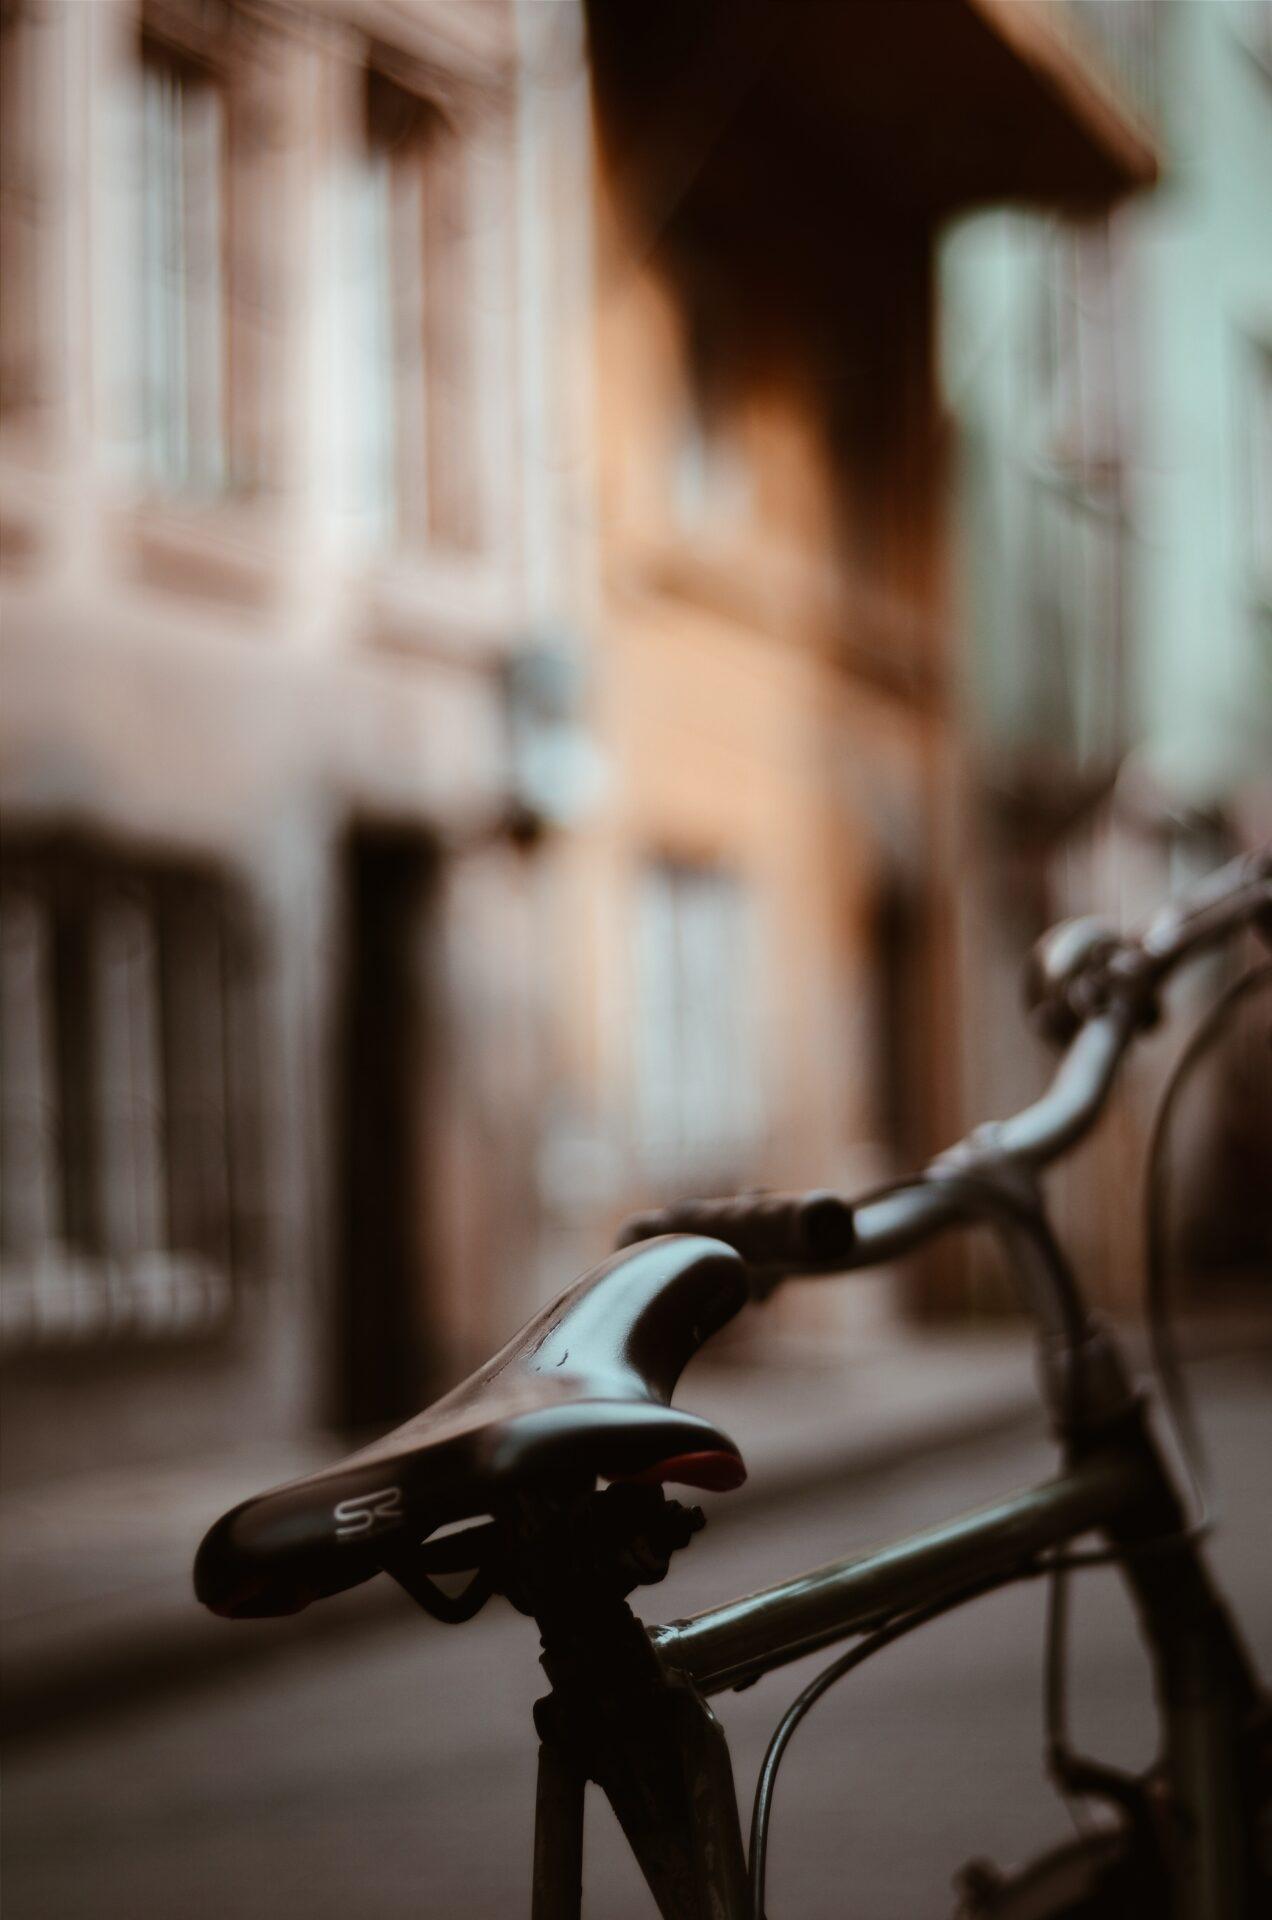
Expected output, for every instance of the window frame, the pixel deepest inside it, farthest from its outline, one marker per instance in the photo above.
(697, 1082)
(178, 472)
(426, 320)
(148, 1142)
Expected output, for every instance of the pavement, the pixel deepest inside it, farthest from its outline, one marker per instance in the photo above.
(95, 1597)
(391, 1774)
(96, 1608)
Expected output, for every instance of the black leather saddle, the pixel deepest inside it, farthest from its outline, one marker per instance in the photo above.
(583, 1391)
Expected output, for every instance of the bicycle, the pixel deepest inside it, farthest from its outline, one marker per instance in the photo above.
(509, 1463)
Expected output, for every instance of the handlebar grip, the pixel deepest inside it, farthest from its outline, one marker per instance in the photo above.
(786, 1232)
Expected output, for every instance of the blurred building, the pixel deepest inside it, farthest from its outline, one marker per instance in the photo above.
(481, 735)
(788, 815)
(284, 499)
(1108, 378)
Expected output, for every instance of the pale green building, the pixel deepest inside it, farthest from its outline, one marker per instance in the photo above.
(1109, 387)
(1110, 384)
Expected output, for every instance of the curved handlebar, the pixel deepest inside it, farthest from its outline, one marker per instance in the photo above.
(1117, 996)
(1102, 993)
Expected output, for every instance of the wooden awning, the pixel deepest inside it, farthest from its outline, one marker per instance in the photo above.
(877, 108)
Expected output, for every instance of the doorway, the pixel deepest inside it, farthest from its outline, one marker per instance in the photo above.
(383, 1357)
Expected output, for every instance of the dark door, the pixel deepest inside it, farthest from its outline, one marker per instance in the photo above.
(381, 1346)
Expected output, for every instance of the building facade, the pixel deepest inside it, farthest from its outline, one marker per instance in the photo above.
(277, 340)
(478, 733)
(781, 656)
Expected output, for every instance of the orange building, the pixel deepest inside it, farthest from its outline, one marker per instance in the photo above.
(775, 876)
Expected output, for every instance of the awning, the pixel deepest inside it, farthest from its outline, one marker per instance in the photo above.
(821, 108)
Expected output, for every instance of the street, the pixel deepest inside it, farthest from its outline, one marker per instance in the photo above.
(393, 1775)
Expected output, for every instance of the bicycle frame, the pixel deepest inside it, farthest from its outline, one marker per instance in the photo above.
(629, 1708)
(735, 1644)
(1120, 1490)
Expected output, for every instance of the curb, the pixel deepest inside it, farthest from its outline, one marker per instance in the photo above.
(169, 1644)
(176, 1646)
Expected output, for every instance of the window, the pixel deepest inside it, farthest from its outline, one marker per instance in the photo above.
(1074, 510)
(697, 1067)
(1258, 419)
(30, 312)
(415, 421)
(182, 274)
(1076, 402)
(127, 1128)
(711, 483)
(1073, 605)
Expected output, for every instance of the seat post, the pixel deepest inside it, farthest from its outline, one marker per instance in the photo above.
(558, 1836)
(617, 1715)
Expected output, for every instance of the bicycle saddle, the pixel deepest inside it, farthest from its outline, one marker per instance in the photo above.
(583, 1390)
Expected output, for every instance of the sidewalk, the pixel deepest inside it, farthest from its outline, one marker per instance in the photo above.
(96, 1607)
(95, 1599)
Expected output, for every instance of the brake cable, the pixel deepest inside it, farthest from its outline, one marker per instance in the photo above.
(804, 1702)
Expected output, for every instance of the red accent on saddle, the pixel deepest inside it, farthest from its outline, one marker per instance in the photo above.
(717, 1472)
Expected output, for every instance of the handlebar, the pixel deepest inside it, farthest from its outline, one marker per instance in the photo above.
(814, 1230)
(1089, 987)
